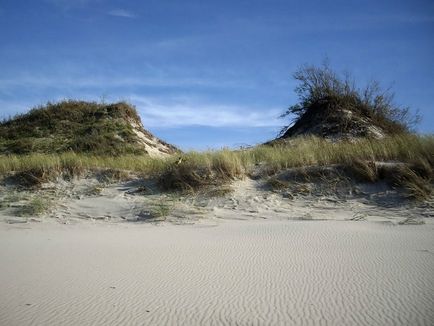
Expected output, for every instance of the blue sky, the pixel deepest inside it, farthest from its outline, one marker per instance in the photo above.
(208, 74)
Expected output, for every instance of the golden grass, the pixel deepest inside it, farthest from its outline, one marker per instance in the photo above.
(77, 163)
(213, 167)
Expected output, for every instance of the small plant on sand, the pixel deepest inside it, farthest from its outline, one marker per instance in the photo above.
(162, 207)
(94, 190)
(35, 207)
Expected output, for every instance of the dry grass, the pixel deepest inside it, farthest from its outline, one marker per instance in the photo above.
(416, 186)
(423, 168)
(276, 184)
(364, 171)
(113, 175)
(214, 168)
(220, 191)
(36, 169)
(199, 170)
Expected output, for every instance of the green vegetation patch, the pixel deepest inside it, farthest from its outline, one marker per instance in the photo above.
(35, 207)
(78, 126)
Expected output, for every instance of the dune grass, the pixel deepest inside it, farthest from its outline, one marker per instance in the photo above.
(76, 164)
(198, 169)
(35, 207)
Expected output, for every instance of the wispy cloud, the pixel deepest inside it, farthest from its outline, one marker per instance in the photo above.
(182, 112)
(175, 112)
(121, 13)
(78, 81)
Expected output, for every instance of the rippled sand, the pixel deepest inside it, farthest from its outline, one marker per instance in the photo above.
(237, 273)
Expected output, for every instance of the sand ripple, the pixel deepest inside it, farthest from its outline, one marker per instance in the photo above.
(239, 273)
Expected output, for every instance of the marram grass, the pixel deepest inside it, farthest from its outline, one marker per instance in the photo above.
(232, 163)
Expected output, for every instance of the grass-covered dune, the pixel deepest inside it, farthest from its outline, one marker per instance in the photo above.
(75, 126)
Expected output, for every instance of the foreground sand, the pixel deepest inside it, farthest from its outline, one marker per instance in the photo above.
(236, 273)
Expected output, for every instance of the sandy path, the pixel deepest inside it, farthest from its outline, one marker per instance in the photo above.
(238, 273)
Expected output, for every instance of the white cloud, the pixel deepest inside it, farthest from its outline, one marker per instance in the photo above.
(121, 13)
(179, 112)
(111, 81)
(174, 112)
(167, 110)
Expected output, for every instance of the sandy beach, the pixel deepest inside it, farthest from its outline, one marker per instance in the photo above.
(216, 163)
(231, 273)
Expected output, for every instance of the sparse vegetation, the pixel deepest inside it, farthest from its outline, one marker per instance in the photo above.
(220, 191)
(162, 207)
(94, 190)
(161, 210)
(35, 207)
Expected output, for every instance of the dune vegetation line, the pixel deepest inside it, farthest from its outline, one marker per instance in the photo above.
(192, 170)
(301, 152)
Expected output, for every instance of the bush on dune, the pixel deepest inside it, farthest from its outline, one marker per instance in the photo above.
(345, 108)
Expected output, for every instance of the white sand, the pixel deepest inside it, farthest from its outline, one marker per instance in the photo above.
(237, 273)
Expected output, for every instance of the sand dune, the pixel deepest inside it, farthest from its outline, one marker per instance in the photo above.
(238, 273)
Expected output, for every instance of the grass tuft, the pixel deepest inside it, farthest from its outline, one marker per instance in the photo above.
(36, 207)
(364, 171)
(414, 185)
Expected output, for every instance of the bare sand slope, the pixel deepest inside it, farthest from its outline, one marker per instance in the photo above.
(237, 273)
